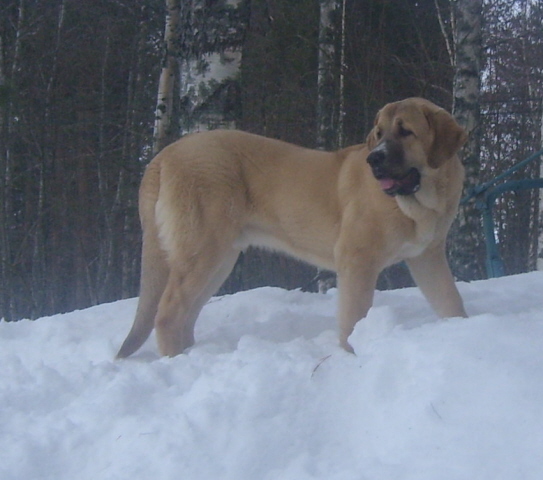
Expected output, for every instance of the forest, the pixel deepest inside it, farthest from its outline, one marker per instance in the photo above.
(90, 90)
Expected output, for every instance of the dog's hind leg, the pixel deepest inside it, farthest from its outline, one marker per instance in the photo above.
(214, 284)
(187, 291)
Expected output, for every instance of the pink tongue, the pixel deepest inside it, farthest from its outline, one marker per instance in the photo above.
(387, 183)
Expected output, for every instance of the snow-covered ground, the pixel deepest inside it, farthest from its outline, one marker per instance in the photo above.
(266, 394)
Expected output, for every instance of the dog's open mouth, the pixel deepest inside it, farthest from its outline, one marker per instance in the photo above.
(406, 185)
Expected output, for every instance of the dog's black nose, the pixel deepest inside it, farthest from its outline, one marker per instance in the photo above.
(376, 158)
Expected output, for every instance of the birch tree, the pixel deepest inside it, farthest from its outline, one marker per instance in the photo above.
(327, 104)
(164, 130)
(331, 74)
(509, 128)
(211, 39)
(330, 90)
(466, 247)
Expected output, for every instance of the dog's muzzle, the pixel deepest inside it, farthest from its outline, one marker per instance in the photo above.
(406, 185)
(392, 183)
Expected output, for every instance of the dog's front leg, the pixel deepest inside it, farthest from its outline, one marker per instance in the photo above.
(356, 283)
(432, 274)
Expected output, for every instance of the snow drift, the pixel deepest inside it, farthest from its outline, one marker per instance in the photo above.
(266, 393)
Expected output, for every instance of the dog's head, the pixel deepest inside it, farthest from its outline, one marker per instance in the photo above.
(408, 138)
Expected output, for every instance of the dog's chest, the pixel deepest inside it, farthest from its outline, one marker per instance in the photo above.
(422, 234)
(425, 219)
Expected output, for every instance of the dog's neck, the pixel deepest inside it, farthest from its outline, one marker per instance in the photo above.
(425, 207)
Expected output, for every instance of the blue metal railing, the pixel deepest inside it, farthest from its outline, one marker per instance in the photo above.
(485, 195)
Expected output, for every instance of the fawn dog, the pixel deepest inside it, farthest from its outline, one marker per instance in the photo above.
(356, 211)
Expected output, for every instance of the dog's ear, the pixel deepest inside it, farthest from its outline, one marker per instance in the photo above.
(371, 139)
(449, 137)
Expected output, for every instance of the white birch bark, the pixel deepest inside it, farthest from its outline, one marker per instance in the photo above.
(164, 109)
(209, 88)
(467, 248)
(200, 90)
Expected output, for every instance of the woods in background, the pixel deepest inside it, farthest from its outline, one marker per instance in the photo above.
(79, 117)
(78, 87)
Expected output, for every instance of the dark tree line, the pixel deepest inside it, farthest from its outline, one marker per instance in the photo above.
(78, 101)
(78, 78)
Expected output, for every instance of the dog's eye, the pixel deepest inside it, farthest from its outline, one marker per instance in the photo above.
(404, 132)
(378, 134)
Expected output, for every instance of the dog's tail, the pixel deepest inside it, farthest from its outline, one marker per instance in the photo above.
(154, 269)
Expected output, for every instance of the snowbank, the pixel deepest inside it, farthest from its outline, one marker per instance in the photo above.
(266, 394)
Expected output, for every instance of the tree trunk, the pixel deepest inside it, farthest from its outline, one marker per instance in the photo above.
(43, 291)
(466, 247)
(210, 97)
(164, 130)
(533, 94)
(126, 237)
(210, 73)
(330, 89)
(540, 237)
(342, 69)
(5, 194)
(327, 85)
(6, 157)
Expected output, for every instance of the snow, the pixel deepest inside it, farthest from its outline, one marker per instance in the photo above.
(266, 393)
